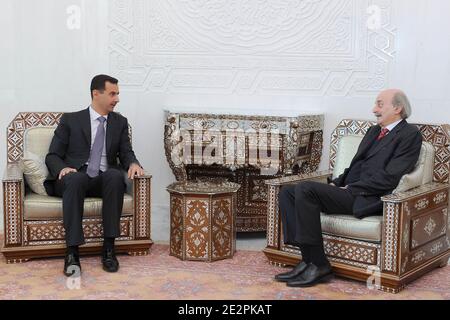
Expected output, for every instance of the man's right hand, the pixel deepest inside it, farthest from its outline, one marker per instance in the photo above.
(332, 184)
(65, 171)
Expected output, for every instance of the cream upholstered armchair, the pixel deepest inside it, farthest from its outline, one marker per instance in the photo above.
(410, 238)
(33, 225)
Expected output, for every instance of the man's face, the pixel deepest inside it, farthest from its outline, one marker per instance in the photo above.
(107, 99)
(384, 110)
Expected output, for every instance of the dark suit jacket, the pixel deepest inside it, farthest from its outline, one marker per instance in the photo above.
(395, 155)
(71, 144)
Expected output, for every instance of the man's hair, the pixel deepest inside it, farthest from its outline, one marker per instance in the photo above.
(99, 82)
(401, 100)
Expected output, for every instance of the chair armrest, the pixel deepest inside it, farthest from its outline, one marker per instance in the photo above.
(13, 197)
(319, 175)
(400, 237)
(130, 184)
(145, 176)
(140, 182)
(13, 173)
(142, 193)
(412, 193)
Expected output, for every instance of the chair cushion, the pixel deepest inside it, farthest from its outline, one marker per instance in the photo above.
(366, 229)
(423, 171)
(38, 207)
(347, 147)
(35, 172)
(37, 140)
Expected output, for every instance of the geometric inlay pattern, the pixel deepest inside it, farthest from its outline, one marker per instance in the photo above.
(197, 229)
(176, 225)
(222, 235)
(202, 222)
(308, 47)
(348, 251)
(52, 232)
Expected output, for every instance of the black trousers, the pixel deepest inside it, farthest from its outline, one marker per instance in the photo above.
(300, 208)
(75, 187)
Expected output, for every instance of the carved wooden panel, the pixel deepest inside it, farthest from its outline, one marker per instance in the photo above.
(142, 207)
(202, 220)
(13, 212)
(222, 224)
(426, 252)
(390, 237)
(262, 147)
(428, 227)
(52, 231)
(425, 230)
(352, 252)
(176, 225)
(196, 228)
(273, 217)
(320, 47)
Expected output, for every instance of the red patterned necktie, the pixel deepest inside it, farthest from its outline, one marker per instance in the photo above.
(383, 132)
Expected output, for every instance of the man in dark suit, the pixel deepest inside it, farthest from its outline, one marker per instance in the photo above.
(389, 150)
(82, 161)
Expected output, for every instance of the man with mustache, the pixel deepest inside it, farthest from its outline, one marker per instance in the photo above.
(388, 150)
(82, 162)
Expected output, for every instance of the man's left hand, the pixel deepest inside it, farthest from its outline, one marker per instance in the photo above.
(135, 170)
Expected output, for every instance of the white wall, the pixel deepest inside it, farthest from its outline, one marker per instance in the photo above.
(291, 56)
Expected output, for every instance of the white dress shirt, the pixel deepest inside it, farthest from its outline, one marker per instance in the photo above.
(391, 126)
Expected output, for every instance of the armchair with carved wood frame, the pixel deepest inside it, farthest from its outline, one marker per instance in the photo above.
(411, 237)
(33, 225)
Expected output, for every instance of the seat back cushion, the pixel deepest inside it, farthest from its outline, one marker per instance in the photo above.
(35, 147)
(347, 147)
(422, 172)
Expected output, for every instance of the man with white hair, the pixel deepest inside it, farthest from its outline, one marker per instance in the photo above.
(389, 150)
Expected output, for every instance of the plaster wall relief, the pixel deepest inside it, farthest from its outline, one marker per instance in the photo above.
(276, 47)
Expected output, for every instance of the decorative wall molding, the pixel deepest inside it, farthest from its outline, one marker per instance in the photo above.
(294, 47)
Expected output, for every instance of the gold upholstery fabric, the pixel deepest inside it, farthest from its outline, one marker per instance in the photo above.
(39, 207)
(367, 229)
(422, 173)
(348, 145)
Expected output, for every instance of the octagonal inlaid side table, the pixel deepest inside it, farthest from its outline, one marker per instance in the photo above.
(203, 220)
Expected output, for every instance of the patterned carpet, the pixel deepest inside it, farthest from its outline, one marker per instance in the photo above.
(159, 276)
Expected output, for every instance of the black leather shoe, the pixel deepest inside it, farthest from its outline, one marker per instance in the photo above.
(109, 261)
(286, 276)
(72, 265)
(311, 276)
